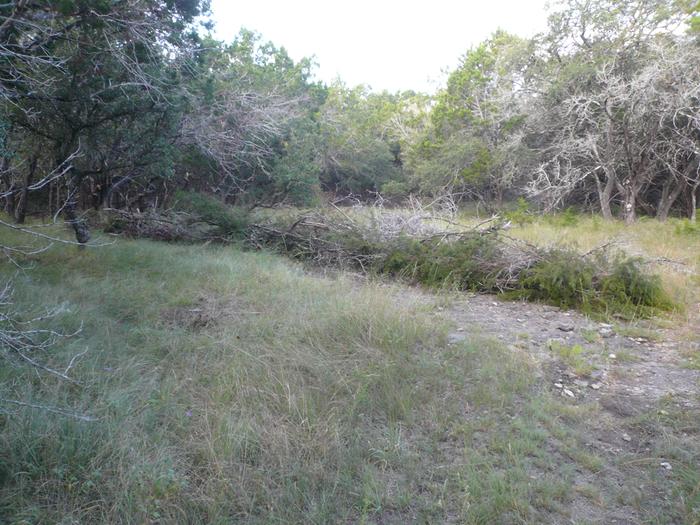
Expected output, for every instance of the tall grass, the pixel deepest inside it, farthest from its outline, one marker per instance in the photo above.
(233, 387)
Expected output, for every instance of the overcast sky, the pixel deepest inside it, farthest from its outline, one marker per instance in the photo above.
(386, 44)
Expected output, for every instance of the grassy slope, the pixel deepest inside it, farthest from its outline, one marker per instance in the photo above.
(232, 385)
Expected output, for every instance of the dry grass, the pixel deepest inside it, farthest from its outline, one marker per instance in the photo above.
(235, 387)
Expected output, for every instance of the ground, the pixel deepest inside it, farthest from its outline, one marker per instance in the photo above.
(623, 372)
(230, 386)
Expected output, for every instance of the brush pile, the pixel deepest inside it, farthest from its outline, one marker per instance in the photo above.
(428, 248)
(169, 226)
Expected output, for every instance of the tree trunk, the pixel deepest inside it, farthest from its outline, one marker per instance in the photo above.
(21, 210)
(605, 195)
(668, 198)
(629, 192)
(80, 227)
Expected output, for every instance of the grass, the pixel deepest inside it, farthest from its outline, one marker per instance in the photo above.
(648, 238)
(234, 387)
(573, 356)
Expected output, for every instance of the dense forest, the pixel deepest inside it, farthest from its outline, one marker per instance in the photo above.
(120, 104)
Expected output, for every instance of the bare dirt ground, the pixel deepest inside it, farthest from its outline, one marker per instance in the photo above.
(638, 380)
(643, 363)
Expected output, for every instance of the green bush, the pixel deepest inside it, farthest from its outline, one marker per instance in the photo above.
(562, 278)
(568, 218)
(231, 222)
(598, 285)
(463, 264)
(521, 215)
(627, 288)
(686, 227)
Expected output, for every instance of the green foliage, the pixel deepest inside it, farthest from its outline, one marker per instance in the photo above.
(464, 264)
(470, 145)
(564, 278)
(522, 214)
(231, 222)
(483, 261)
(687, 227)
(358, 155)
(566, 219)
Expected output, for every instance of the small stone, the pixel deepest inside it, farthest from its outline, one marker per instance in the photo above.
(460, 329)
(606, 332)
(566, 327)
(558, 385)
(568, 392)
(595, 386)
(612, 356)
(663, 412)
(581, 383)
(455, 338)
(626, 437)
(666, 465)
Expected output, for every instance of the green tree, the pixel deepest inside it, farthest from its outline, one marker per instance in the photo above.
(473, 147)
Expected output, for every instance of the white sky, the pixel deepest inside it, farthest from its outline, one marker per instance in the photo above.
(386, 44)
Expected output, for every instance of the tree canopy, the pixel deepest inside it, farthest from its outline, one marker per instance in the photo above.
(123, 103)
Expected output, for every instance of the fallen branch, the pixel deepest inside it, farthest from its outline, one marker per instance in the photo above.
(53, 410)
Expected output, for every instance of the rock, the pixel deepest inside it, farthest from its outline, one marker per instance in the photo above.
(568, 392)
(566, 327)
(595, 386)
(558, 385)
(456, 338)
(666, 465)
(606, 332)
(612, 356)
(663, 412)
(581, 383)
(460, 329)
(626, 437)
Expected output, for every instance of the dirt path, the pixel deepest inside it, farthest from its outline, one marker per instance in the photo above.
(637, 379)
(642, 363)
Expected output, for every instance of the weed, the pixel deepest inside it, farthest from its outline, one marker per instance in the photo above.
(573, 356)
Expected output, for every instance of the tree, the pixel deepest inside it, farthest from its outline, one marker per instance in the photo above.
(91, 84)
(607, 110)
(361, 151)
(246, 102)
(474, 145)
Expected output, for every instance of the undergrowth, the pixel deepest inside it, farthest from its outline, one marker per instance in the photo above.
(598, 285)
(231, 222)
(601, 284)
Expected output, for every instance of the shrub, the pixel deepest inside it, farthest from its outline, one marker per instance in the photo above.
(598, 285)
(464, 264)
(562, 278)
(231, 222)
(686, 227)
(566, 219)
(521, 215)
